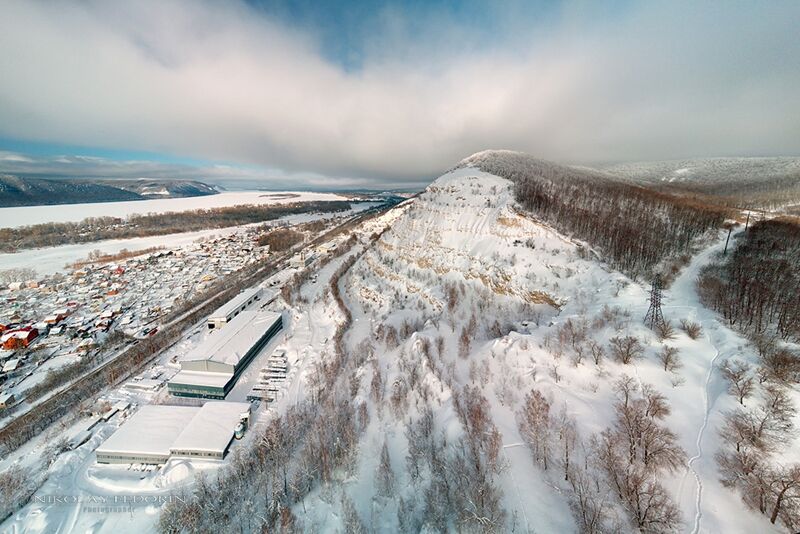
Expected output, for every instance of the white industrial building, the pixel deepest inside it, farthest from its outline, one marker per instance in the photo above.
(212, 368)
(155, 433)
(210, 432)
(225, 313)
(147, 436)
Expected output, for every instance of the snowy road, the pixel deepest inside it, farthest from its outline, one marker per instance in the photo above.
(717, 343)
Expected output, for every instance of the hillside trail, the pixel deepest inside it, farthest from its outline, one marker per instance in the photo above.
(682, 295)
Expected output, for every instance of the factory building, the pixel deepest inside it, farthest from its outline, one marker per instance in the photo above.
(156, 433)
(210, 433)
(147, 436)
(225, 313)
(212, 368)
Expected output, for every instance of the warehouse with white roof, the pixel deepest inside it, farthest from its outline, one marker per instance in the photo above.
(225, 313)
(147, 436)
(210, 432)
(212, 368)
(155, 433)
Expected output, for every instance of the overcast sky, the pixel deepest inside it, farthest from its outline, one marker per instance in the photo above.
(377, 93)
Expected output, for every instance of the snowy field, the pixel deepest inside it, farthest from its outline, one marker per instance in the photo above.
(27, 215)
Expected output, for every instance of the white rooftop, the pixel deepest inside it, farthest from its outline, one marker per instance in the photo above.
(201, 378)
(211, 429)
(228, 345)
(235, 303)
(150, 431)
(11, 365)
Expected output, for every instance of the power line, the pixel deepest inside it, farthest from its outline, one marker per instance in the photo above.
(654, 317)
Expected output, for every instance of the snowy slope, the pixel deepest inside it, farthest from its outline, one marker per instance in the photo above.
(462, 252)
(456, 306)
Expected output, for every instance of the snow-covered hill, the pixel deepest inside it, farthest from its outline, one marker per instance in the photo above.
(463, 309)
(31, 191)
(464, 367)
(766, 183)
(709, 170)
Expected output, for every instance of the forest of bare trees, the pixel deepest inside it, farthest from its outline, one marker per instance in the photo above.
(634, 227)
(280, 239)
(612, 479)
(755, 435)
(756, 287)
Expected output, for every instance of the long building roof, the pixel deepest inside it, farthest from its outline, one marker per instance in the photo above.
(235, 303)
(201, 378)
(151, 431)
(229, 345)
(211, 429)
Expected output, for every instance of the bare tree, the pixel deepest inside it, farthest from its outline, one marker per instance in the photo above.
(464, 342)
(626, 349)
(645, 500)
(589, 501)
(638, 423)
(568, 436)
(384, 479)
(535, 425)
(665, 330)
(350, 519)
(597, 352)
(782, 366)
(784, 488)
(669, 357)
(692, 329)
(740, 380)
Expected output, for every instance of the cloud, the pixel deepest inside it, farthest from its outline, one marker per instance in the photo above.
(228, 82)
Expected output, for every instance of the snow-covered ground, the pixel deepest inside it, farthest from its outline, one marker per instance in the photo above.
(50, 260)
(105, 491)
(27, 215)
(462, 254)
(465, 233)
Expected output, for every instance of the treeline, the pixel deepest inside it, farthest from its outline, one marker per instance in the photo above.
(280, 239)
(774, 193)
(101, 228)
(756, 287)
(636, 228)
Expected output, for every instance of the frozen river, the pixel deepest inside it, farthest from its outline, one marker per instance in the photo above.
(27, 215)
(50, 260)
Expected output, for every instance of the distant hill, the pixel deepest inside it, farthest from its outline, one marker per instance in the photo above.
(768, 183)
(16, 191)
(771, 184)
(709, 170)
(638, 228)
